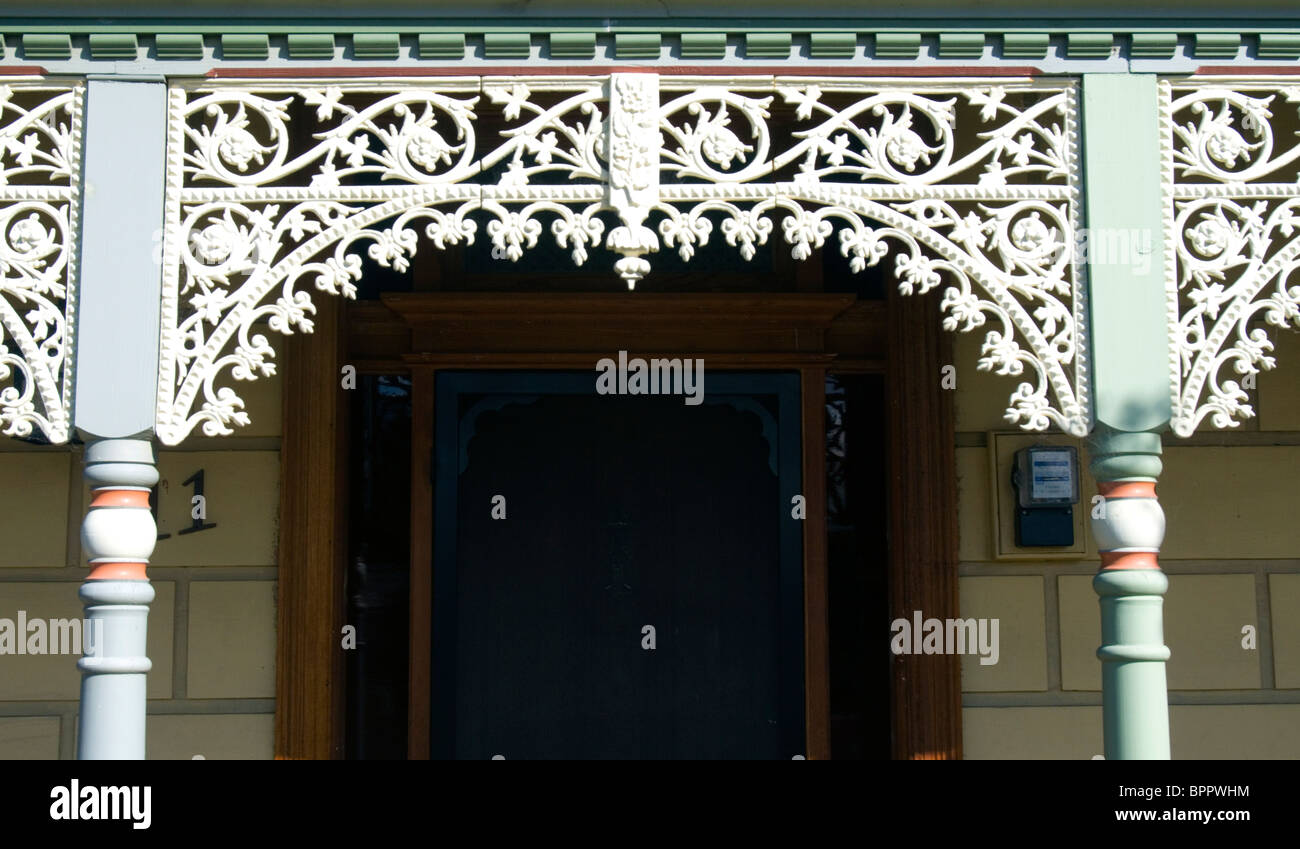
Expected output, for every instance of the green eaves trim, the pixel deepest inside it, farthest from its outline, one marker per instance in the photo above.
(898, 45)
(637, 45)
(442, 45)
(376, 45)
(961, 45)
(122, 43)
(47, 46)
(573, 45)
(704, 45)
(311, 45)
(1153, 45)
(768, 45)
(245, 46)
(178, 45)
(1089, 45)
(507, 45)
(1217, 45)
(113, 45)
(832, 45)
(1025, 45)
(1279, 45)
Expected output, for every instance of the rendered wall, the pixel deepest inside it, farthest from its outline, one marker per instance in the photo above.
(212, 625)
(1232, 551)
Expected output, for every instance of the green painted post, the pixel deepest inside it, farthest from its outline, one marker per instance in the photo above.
(1129, 527)
(1130, 367)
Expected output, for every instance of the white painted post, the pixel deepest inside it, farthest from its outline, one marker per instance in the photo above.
(118, 536)
(119, 315)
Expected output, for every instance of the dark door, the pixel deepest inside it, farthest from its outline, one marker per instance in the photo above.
(616, 576)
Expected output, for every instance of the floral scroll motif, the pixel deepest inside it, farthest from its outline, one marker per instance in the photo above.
(1233, 179)
(40, 144)
(276, 189)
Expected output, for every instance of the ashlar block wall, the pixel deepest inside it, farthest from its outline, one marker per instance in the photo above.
(212, 625)
(1232, 551)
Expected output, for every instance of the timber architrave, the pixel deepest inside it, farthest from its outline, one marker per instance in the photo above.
(921, 462)
(309, 668)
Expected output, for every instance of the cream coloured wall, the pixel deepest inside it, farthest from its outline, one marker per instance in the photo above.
(211, 627)
(1232, 551)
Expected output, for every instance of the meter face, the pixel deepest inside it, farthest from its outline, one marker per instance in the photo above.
(1046, 476)
(1051, 476)
(1046, 480)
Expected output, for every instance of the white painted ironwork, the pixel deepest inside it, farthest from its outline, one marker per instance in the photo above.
(972, 186)
(1232, 182)
(40, 146)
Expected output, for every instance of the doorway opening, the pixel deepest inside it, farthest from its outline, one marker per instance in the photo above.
(616, 576)
(838, 346)
(573, 469)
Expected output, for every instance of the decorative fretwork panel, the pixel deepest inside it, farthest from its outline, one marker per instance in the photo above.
(276, 189)
(40, 146)
(1232, 170)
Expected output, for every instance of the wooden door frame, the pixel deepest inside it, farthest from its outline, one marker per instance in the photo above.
(556, 332)
(926, 713)
(732, 332)
(312, 544)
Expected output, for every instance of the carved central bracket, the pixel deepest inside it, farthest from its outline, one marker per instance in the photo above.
(633, 156)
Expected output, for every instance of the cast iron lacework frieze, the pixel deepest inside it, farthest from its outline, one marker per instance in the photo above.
(277, 189)
(40, 145)
(1232, 178)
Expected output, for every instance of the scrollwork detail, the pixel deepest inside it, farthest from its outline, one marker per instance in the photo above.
(1233, 201)
(40, 138)
(260, 218)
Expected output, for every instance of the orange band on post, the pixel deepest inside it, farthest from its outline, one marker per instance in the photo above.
(117, 571)
(1127, 489)
(121, 498)
(1129, 560)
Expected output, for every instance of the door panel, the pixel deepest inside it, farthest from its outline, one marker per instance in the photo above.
(620, 512)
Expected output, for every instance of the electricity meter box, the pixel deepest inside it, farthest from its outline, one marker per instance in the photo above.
(1046, 480)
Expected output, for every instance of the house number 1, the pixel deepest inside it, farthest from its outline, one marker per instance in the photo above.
(198, 504)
